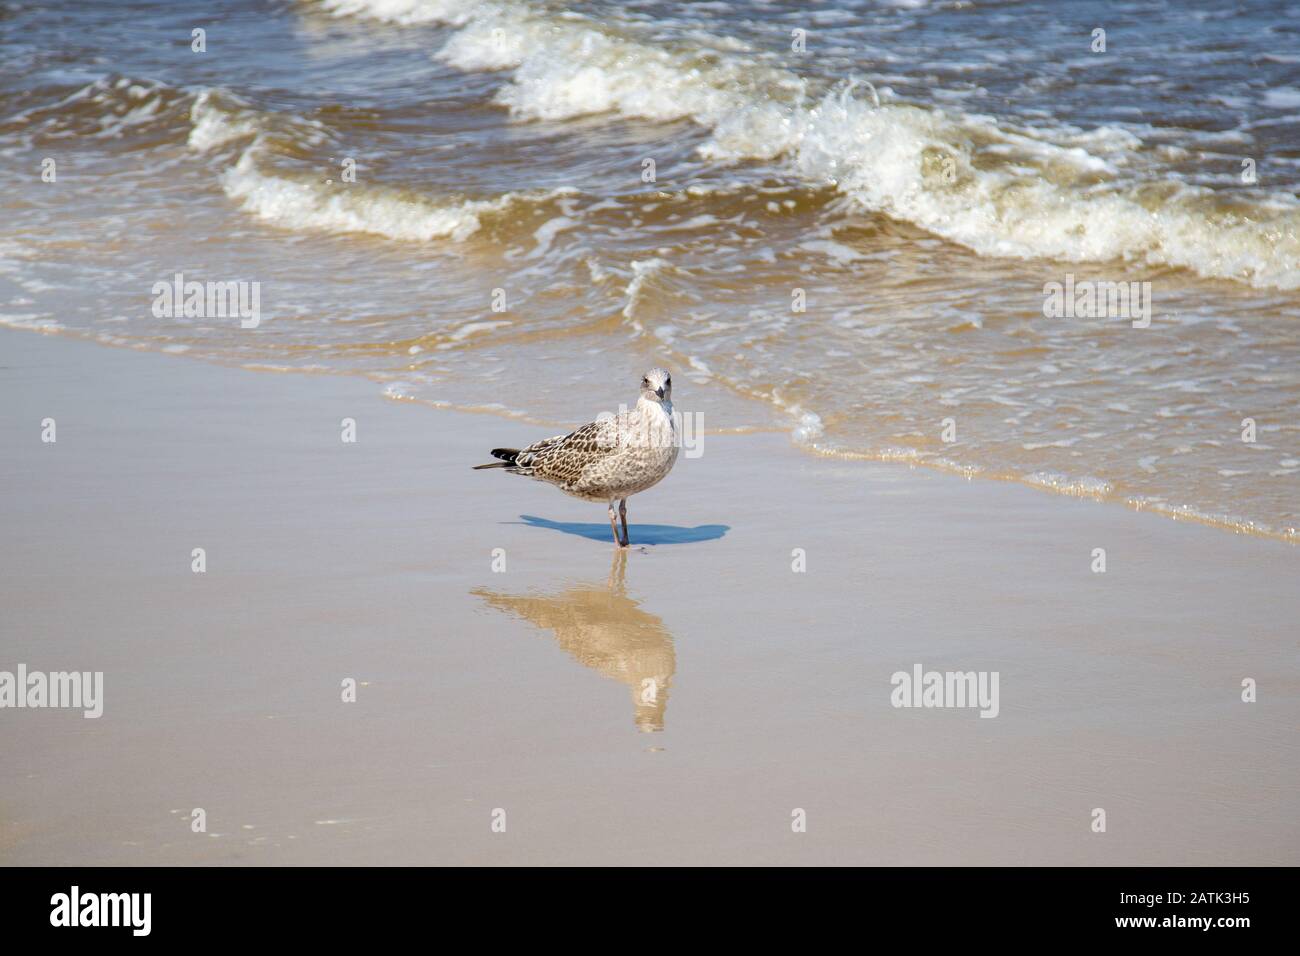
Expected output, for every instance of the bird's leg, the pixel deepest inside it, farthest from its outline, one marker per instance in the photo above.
(622, 514)
(612, 526)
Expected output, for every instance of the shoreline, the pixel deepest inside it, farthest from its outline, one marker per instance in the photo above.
(1177, 513)
(480, 689)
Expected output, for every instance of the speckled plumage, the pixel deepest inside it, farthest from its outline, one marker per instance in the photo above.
(611, 458)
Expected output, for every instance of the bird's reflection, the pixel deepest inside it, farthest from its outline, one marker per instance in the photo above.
(604, 629)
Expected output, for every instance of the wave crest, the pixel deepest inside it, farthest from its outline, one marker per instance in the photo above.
(295, 201)
(996, 190)
(1042, 200)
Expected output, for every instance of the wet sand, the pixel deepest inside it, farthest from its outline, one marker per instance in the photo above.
(523, 689)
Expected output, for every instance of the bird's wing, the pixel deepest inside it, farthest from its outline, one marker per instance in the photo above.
(562, 459)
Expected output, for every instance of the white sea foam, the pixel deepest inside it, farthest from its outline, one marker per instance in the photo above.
(1282, 98)
(564, 69)
(573, 66)
(31, 321)
(809, 429)
(465, 331)
(1083, 487)
(916, 164)
(121, 104)
(403, 11)
(308, 205)
(218, 118)
(998, 191)
(212, 126)
(642, 271)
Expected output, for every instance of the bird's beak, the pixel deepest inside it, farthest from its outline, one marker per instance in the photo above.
(659, 392)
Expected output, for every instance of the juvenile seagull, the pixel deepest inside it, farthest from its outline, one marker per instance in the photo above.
(609, 459)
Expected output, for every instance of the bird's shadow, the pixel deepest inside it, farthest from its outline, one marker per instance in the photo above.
(639, 533)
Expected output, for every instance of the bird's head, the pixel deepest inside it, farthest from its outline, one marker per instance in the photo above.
(657, 386)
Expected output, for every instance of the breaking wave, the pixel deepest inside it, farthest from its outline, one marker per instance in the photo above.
(297, 201)
(999, 191)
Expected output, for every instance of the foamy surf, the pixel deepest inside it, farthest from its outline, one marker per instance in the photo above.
(346, 209)
(113, 107)
(876, 253)
(404, 12)
(218, 118)
(294, 201)
(1009, 193)
(569, 68)
(568, 65)
(961, 178)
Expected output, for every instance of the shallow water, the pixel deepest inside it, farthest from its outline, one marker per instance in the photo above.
(851, 243)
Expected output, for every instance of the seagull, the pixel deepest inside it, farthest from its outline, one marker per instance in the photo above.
(609, 459)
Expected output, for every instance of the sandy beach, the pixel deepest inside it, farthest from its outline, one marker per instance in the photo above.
(519, 689)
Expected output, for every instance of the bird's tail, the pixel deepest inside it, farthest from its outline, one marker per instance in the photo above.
(507, 456)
